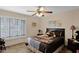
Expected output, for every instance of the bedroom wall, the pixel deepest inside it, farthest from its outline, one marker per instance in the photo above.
(66, 19)
(30, 31)
(33, 30)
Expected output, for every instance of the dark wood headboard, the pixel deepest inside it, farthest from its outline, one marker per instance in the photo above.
(57, 30)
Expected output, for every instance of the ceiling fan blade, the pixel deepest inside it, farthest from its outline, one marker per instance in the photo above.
(30, 11)
(48, 12)
(34, 14)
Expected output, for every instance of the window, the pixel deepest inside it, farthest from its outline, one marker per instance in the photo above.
(13, 27)
(4, 27)
(19, 27)
(10, 27)
(23, 27)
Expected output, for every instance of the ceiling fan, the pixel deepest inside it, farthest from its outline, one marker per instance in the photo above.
(40, 11)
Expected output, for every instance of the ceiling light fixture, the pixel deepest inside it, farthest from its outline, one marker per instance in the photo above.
(40, 11)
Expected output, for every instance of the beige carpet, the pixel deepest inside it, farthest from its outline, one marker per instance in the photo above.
(19, 48)
(22, 48)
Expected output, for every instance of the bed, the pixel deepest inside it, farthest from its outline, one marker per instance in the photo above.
(48, 44)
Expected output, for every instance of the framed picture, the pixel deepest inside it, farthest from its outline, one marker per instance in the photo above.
(54, 24)
(34, 24)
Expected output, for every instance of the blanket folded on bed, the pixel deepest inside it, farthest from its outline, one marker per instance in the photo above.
(34, 43)
(44, 39)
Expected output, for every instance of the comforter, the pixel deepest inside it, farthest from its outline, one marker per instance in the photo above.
(46, 47)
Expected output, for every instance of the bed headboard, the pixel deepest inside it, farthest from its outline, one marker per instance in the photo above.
(57, 31)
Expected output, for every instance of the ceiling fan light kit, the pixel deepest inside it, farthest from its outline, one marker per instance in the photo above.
(41, 14)
(40, 11)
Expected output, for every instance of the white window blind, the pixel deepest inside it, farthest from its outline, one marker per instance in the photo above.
(4, 27)
(13, 27)
(23, 27)
(19, 28)
(10, 27)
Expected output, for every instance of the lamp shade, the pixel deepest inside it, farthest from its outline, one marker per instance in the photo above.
(73, 27)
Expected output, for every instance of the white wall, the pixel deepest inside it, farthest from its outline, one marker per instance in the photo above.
(66, 19)
(30, 31)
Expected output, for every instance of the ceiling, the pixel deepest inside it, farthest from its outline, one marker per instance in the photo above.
(24, 9)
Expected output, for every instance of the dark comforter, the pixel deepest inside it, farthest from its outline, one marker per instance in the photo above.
(46, 47)
(51, 47)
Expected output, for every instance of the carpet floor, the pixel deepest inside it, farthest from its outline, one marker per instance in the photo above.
(22, 48)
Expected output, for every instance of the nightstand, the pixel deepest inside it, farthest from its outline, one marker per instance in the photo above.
(73, 45)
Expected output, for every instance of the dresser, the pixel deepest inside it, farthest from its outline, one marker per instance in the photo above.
(73, 45)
